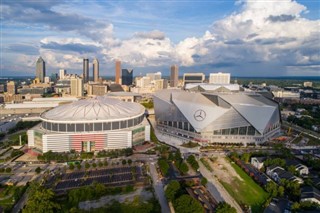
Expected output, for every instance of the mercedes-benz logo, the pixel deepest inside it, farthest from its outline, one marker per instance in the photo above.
(199, 115)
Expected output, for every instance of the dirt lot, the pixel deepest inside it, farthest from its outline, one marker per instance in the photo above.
(223, 170)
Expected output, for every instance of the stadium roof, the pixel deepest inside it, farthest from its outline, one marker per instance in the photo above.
(94, 109)
(243, 108)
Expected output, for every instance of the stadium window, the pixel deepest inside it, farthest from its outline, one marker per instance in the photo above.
(97, 126)
(234, 131)
(79, 127)
(107, 126)
(251, 130)
(242, 130)
(62, 128)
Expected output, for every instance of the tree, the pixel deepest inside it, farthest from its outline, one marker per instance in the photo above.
(100, 164)
(280, 191)
(204, 181)
(292, 169)
(41, 200)
(78, 166)
(130, 162)
(193, 162)
(272, 188)
(184, 168)
(87, 165)
(94, 165)
(124, 162)
(164, 166)
(172, 189)
(187, 204)
(224, 207)
(38, 170)
(246, 157)
(105, 163)
(71, 166)
(8, 170)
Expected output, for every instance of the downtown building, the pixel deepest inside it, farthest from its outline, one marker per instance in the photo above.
(90, 125)
(40, 69)
(216, 117)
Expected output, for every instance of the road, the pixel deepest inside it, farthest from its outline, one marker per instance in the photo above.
(158, 188)
(21, 203)
(217, 190)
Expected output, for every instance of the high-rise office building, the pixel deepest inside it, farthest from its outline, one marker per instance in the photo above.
(76, 87)
(219, 78)
(193, 78)
(11, 88)
(62, 73)
(95, 70)
(85, 70)
(47, 79)
(154, 76)
(127, 77)
(174, 76)
(118, 72)
(40, 69)
(54, 77)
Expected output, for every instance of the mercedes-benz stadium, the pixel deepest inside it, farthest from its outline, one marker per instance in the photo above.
(88, 125)
(216, 117)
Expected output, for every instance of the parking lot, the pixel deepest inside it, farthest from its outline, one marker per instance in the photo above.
(117, 176)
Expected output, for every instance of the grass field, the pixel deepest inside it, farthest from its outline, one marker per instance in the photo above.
(246, 192)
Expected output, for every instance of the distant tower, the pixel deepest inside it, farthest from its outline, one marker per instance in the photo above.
(219, 78)
(40, 69)
(174, 76)
(62, 73)
(85, 70)
(76, 87)
(11, 88)
(127, 77)
(95, 70)
(118, 70)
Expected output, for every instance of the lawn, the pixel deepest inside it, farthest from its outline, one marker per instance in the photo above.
(246, 192)
(190, 144)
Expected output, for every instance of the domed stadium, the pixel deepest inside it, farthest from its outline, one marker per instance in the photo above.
(88, 125)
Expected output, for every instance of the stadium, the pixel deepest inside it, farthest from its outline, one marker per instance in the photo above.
(216, 117)
(89, 125)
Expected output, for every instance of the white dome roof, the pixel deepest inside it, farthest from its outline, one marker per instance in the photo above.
(94, 109)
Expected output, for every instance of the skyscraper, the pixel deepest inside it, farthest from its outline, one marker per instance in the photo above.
(95, 70)
(127, 77)
(85, 70)
(62, 73)
(118, 70)
(40, 69)
(174, 76)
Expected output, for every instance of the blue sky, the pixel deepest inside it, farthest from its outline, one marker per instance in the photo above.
(246, 38)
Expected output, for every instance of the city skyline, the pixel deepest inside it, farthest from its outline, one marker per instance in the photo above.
(244, 38)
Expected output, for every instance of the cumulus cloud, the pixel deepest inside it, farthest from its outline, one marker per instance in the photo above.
(256, 33)
(263, 36)
(155, 34)
(22, 48)
(41, 12)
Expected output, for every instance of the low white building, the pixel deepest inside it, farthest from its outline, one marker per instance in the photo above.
(257, 162)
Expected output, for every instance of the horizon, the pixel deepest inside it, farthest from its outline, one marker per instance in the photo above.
(243, 37)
